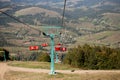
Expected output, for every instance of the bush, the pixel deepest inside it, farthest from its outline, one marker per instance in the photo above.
(29, 56)
(44, 57)
(1, 55)
(93, 57)
(4, 54)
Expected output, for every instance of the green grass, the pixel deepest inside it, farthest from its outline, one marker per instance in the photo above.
(40, 65)
(14, 75)
(97, 36)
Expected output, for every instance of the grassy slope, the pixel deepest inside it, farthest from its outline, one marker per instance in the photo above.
(106, 37)
(99, 38)
(36, 10)
(13, 75)
(113, 18)
(40, 65)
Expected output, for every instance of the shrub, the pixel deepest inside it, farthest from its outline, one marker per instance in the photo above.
(43, 57)
(93, 57)
(4, 54)
(29, 56)
(1, 55)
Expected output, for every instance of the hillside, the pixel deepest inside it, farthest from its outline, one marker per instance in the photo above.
(37, 10)
(83, 18)
(108, 38)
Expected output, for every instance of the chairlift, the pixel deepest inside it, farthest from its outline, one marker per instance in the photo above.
(60, 47)
(57, 48)
(33, 47)
(63, 49)
(44, 44)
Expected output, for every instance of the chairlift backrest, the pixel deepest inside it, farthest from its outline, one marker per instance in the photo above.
(44, 44)
(34, 48)
(59, 47)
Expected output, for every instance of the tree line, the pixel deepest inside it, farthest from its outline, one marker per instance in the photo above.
(85, 57)
(93, 57)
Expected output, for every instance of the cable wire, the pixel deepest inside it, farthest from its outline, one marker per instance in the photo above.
(63, 15)
(29, 25)
(18, 20)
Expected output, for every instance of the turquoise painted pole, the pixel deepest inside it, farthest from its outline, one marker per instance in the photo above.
(52, 71)
(4, 57)
(57, 60)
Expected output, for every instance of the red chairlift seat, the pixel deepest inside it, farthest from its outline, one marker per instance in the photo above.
(59, 47)
(33, 47)
(63, 49)
(44, 44)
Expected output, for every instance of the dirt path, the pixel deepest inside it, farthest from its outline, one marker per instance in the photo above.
(61, 71)
(4, 68)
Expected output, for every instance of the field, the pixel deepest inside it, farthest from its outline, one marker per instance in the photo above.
(36, 10)
(36, 73)
(15, 75)
(108, 38)
(40, 65)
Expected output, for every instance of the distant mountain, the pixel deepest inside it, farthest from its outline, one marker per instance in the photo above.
(70, 3)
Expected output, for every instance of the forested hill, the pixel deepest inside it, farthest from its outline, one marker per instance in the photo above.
(82, 17)
(70, 3)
